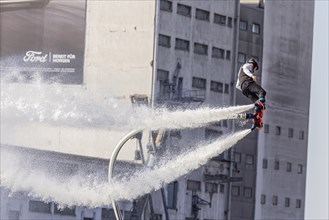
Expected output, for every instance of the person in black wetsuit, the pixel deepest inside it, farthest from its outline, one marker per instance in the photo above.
(247, 84)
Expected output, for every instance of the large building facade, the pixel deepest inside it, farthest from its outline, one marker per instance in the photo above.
(185, 54)
(282, 146)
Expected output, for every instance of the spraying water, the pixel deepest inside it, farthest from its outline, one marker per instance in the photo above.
(54, 104)
(75, 190)
(57, 105)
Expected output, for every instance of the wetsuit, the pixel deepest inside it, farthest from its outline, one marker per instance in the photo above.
(247, 85)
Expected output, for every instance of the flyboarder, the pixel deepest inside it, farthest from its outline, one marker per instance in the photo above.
(246, 83)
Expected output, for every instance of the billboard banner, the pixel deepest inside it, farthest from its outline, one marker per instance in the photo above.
(44, 37)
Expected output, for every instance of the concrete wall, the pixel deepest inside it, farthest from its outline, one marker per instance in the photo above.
(119, 47)
(287, 73)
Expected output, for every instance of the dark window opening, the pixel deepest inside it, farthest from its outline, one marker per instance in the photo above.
(219, 19)
(166, 5)
(184, 10)
(202, 14)
(201, 49)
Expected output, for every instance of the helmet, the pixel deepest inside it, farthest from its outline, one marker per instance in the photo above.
(254, 62)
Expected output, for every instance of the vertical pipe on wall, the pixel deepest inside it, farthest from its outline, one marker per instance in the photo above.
(155, 51)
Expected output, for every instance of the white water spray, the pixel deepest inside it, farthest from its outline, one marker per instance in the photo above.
(57, 105)
(74, 191)
(50, 103)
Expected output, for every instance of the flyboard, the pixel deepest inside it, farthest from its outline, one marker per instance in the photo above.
(256, 116)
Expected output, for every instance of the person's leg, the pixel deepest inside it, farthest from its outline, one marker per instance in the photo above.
(252, 96)
(258, 91)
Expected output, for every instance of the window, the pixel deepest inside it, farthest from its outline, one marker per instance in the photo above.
(300, 169)
(255, 28)
(65, 211)
(166, 5)
(289, 165)
(247, 192)
(164, 40)
(199, 83)
(290, 132)
(262, 199)
(266, 128)
(277, 130)
(218, 53)
(241, 57)
(228, 55)
(201, 49)
(298, 203)
(216, 86)
(108, 214)
(172, 189)
(202, 14)
(225, 123)
(38, 206)
(243, 25)
(264, 163)
(162, 74)
(163, 77)
(221, 188)
(212, 187)
(235, 190)
(184, 10)
(193, 185)
(274, 200)
(237, 157)
(287, 202)
(229, 22)
(249, 159)
(182, 44)
(276, 165)
(226, 89)
(219, 19)
(301, 135)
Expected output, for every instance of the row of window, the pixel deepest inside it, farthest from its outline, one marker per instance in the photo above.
(242, 57)
(249, 158)
(172, 190)
(201, 83)
(42, 207)
(209, 187)
(275, 201)
(200, 14)
(288, 166)
(247, 192)
(255, 28)
(278, 131)
(200, 49)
